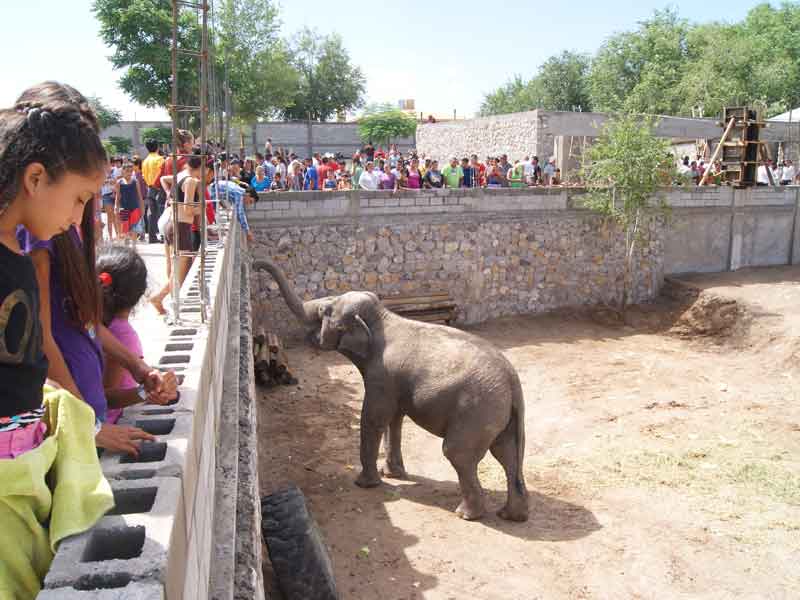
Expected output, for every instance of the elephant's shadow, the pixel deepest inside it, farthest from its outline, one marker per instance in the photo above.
(551, 519)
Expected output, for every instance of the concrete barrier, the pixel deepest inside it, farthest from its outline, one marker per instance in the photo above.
(160, 541)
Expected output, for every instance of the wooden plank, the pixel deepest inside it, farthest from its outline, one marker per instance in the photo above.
(274, 342)
(717, 151)
(398, 300)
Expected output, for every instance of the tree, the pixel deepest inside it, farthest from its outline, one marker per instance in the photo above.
(163, 135)
(140, 32)
(261, 79)
(117, 145)
(327, 81)
(383, 126)
(515, 95)
(622, 171)
(640, 71)
(106, 116)
(563, 82)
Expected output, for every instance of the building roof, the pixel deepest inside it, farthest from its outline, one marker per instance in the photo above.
(790, 115)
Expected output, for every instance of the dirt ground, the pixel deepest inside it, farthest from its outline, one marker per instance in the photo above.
(663, 459)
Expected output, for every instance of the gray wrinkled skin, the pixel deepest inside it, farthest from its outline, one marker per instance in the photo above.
(449, 382)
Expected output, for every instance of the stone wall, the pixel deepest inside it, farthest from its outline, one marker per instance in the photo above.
(504, 252)
(498, 252)
(302, 137)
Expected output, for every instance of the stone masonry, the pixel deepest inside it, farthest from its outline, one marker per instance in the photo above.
(514, 252)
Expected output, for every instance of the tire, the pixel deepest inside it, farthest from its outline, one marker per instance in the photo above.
(296, 549)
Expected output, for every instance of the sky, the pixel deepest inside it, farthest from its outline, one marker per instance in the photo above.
(444, 55)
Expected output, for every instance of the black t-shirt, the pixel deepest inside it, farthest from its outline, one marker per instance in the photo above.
(23, 364)
(433, 178)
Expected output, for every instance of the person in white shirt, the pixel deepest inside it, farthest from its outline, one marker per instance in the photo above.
(789, 174)
(762, 176)
(370, 180)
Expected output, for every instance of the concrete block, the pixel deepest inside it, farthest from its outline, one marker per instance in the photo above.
(298, 204)
(422, 201)
(131, 544)
(761, 238)
(133, 590)
(166, 456)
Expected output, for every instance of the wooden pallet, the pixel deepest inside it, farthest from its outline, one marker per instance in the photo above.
(433, 308)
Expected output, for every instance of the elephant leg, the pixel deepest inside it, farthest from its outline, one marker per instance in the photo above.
(504, 449)
(392, 439)
(464, 454)
(373, 424)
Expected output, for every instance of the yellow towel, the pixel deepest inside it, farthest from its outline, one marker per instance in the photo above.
(65, 463)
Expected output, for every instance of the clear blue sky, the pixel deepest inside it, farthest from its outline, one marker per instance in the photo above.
(445, 55)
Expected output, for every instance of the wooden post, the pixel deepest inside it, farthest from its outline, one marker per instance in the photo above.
(717, 150)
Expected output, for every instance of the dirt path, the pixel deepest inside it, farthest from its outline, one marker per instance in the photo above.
(660, 465)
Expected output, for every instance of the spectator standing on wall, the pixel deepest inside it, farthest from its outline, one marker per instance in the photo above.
(789, 174)
(369, 179)
(433, 177)
(470, 174)
(548, 171)
(369, 152)
(762, 178)
(323, 168)
(504, 165)
(414, 175)
(357, 170)
(536, 168)
(388, 179)
(311, 179)
(453, 175)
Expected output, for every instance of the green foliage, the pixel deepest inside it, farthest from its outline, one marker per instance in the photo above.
(622, 172)
(384, 126)
(116, 145)
(328, 82)
(140, 32)
(260, 76)
(670, 66)
(163, 135)
(106, 116)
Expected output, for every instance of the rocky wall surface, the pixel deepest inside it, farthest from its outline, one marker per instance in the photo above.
(519, 258)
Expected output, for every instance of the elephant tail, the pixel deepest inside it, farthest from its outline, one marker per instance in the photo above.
(518, 422)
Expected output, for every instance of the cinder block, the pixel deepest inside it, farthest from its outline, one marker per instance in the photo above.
(133, 544)
(133, 590)
(166, 455)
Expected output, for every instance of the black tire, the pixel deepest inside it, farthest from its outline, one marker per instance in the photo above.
(296, 549)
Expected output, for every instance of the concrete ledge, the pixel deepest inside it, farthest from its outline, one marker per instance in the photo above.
(130, 545)
(131, 591)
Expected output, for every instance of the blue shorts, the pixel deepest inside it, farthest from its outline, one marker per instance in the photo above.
(108, 200)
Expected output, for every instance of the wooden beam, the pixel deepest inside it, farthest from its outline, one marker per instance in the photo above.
(718, 149)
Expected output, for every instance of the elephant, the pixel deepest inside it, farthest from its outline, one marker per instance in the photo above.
(449, 382)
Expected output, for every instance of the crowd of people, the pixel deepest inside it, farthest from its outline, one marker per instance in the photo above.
(70, 359)
(767, 173)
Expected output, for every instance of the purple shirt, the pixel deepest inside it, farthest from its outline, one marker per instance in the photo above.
(387, 181)
(79, 346)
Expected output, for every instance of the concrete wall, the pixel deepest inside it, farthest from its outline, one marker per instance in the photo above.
(496, 252)
(302, 137)
(504, 252)
(162, 541)
(720, 229)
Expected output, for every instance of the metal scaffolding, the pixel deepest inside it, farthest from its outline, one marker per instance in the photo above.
(201, 10)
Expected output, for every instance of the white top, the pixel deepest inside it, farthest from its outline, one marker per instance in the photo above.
(369, 181)
(789, 173)
(761, 176)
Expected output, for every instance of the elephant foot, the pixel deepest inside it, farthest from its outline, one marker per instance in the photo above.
(470, 511)
(368, 481)
(394, 471)
(518, 514)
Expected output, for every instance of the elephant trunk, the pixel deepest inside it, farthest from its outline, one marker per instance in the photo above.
(293, 301)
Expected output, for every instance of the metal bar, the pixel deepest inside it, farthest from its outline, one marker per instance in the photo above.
(185, 108)
(203, 117)
(198, 53)
(176, 303)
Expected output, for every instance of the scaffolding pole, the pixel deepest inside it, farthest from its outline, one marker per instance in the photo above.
(175, 110)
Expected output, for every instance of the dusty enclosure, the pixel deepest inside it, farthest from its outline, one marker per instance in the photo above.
(662, 459)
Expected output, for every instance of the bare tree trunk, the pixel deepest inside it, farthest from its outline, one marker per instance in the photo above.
(631, 235)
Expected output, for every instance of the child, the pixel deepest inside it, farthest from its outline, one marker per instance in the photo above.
(128, 203)
(51, 164)
(123, 277)
(330, 181)
(277, 184)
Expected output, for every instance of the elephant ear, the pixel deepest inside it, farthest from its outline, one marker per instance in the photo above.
(357, 340)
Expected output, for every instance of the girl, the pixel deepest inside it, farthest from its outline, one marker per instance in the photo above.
(188, 196)
(330, 182)
(414, 179)
(388, 180)
(123, 277)
(260, 182)
(128, 203)
(248, 171)
(51, 165)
